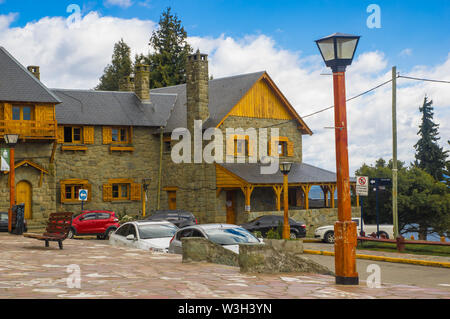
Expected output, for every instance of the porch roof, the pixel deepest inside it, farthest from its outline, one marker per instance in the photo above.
(301, 173)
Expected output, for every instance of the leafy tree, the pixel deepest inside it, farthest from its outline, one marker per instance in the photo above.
(429, 155)
(170, 51)
(423, 202)
(120, 67)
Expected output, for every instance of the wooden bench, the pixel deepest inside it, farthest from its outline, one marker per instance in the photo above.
(58, 227)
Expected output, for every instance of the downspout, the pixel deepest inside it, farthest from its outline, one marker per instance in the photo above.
(160, 167)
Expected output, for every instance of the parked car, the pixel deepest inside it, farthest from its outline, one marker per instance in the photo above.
(267, 222)
(179, 218)
(229, 236)
(4, 222)
(95, 222)
(142, 234)
(326, 233)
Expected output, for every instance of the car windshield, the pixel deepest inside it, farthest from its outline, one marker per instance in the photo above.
(157, 231)
(230, 236)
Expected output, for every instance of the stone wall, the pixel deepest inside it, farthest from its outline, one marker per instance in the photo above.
(98, 165)
(313, 218)
(42, 195)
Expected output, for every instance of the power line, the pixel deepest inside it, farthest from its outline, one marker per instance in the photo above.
(352, 98)
(421, 79)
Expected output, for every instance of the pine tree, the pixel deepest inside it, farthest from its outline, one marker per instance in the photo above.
(120, 67)
(429, 155)
(170, 51)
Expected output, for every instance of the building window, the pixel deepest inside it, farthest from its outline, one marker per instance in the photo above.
(70, 189)
(241, 147)
(72, 134)
(121, 191)
(282, 148)
(21, 113)
(119, 135)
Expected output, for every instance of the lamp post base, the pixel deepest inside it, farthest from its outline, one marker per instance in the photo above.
(347, 280)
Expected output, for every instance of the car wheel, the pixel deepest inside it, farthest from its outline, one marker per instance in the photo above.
(293, 235)
(329, 237)
(70, 234)
(109, 232)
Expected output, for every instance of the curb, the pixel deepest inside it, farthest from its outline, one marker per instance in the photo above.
(387, 259)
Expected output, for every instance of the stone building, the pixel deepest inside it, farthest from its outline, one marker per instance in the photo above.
(120, 146)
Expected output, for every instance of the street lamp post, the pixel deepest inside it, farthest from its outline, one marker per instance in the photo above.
(338, 51)
(285, 168)
(11, 141)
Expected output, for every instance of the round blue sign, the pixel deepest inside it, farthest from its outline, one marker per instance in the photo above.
(83, 194)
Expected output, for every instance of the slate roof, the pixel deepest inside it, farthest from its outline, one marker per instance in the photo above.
(224, 93)
(300, 173)
(17, 84)
(89, 107)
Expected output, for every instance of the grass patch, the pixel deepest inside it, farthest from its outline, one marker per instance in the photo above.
(433, 250)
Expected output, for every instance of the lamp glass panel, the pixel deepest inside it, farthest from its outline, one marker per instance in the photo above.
(327, 49)
(345, 48)
(11, 138)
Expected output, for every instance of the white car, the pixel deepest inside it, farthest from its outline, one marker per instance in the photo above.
(326, 233)
(146, 235)
(227, 235)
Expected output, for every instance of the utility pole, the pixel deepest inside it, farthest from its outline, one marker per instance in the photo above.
(394, 151)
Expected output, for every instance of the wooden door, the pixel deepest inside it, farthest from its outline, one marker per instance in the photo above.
(231, 207)
(172, 196)
(23, 196)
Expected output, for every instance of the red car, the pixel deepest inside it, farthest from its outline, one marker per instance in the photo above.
(95, 222)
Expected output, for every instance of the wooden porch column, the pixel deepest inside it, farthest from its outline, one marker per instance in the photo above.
(306, 189)
(247, 190)
(325, 195)
(277, 189)
(332, 191)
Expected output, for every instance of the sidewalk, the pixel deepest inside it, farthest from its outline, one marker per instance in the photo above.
(29, 270)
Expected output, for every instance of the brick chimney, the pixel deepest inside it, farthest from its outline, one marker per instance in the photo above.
(126, 84)
(35, 70)
(142, 82)
(197, 90)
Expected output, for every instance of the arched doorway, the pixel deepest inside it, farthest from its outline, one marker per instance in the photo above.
(23, 195)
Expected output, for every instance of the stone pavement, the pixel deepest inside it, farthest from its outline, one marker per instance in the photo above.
(29, 270)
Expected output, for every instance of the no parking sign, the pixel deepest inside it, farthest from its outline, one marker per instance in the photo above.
(362, 185)
(83, 194)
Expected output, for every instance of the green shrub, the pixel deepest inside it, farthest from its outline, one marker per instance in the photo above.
(273, 234)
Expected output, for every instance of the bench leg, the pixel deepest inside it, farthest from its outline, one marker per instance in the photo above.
(46, 243)
(60, 244)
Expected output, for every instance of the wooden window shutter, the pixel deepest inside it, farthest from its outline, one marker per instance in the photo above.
(88, 134)
(290, 148)
(251, 147)
(107, 135)
(7, 107)
(130, 137)
(107, 192)
(135, 191)
(63, 192)
(89, 189)
(60, 134)
(230, 145)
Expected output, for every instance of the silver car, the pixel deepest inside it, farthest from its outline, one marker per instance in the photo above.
(229, 236)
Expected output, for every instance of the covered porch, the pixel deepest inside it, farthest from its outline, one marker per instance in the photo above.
(263, 192)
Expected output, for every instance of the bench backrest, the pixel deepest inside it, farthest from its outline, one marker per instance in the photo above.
(59, 224)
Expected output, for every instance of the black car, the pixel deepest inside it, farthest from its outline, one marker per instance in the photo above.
(265, 223)
(179, 218)
(4, 222)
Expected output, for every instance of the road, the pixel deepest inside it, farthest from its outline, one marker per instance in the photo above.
(392, 273)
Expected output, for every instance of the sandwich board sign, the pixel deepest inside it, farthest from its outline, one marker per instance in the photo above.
(362, 185)
(4, 158)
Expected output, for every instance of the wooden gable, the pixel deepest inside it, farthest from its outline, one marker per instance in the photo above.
(264, 100)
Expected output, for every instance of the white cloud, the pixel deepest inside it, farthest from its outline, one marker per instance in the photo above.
(120, 3)
(76, 57)
(406, 52)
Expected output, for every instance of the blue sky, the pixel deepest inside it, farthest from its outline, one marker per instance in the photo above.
(420, 26)
(276, 36)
